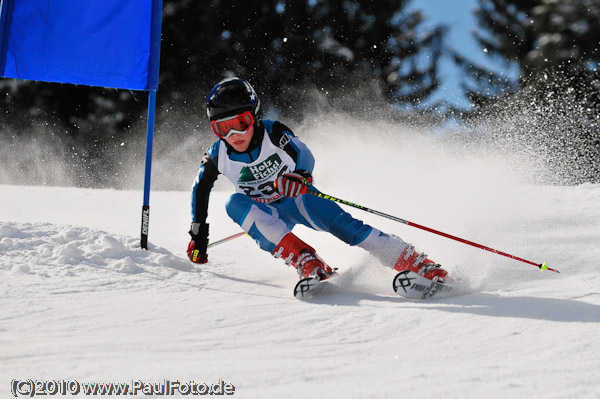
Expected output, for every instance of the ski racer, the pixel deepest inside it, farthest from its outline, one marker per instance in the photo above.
(271, 170)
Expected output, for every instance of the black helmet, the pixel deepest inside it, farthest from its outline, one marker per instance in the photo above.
(232, 96)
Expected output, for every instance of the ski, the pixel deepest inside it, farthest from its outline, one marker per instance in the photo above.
(309, 286)
(406, 283)
(412, 285)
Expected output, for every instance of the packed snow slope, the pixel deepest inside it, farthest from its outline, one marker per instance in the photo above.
(81, 301)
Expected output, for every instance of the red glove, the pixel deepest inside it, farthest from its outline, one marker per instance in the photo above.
(293, 184)
(196, 255)
(197, 247)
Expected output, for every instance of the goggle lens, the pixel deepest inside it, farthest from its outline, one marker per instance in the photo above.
(225, 127)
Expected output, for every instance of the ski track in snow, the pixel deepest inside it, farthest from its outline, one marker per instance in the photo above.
(80, 300)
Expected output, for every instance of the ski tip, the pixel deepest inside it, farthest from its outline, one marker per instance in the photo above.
(414, 286)
(306, 287)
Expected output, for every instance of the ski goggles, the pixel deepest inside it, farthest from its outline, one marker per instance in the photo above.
(237, 124)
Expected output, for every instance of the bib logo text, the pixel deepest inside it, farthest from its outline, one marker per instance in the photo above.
(263, 171)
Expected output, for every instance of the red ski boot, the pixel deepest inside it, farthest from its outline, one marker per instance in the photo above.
(302, 256)
(418, 263)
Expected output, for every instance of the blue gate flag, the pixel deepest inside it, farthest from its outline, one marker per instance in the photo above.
(89, 42)
(109, 43)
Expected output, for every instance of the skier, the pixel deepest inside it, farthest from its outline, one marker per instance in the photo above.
(271, 170)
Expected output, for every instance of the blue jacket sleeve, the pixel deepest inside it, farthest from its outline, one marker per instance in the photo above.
(207, 174)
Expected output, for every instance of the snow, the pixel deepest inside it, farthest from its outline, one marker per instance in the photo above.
(81, 301)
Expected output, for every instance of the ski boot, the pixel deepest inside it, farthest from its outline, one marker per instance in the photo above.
(393, 252)
(418, 263)
(303, 257)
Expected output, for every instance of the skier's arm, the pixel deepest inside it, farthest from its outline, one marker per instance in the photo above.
(297, 182)
(283, 137)
(207, 174)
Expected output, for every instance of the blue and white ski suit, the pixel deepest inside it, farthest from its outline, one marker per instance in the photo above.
(256, 206)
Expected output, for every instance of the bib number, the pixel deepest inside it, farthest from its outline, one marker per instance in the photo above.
(265, 190)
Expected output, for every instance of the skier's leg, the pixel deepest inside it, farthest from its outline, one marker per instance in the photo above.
(302, 256)
(390, 250)
(262, 222)
(271, 229)
(319, 214)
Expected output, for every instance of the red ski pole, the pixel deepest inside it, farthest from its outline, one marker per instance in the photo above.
(541, 266)
(212, 244)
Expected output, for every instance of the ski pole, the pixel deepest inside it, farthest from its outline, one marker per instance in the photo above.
(212, 244)
(541, 266)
